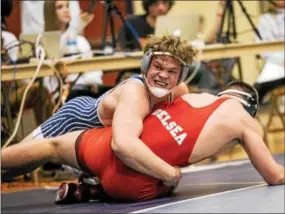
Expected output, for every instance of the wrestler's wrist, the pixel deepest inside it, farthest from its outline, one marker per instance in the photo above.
(173, 177)
(281, 179)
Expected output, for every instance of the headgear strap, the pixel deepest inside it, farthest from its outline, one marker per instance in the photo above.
(250, 104)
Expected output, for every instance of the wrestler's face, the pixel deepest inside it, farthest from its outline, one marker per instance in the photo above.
(159, 8)
(62, 12)
(164, 72)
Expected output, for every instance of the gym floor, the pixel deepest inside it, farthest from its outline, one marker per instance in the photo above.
(230, 187)
(229, 184)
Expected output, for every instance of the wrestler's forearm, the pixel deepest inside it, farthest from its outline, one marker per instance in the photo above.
(139, 157)
(262, 159)
(127, 127)
(281, 178)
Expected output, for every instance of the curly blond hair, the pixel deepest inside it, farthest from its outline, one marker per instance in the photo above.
(172, 44)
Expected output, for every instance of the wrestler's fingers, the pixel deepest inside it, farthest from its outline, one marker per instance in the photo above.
(176, 178)
(170, 183)
(83, 176)
(88, 178)
(173, 188)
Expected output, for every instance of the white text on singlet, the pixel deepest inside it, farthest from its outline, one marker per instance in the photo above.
(171, 126)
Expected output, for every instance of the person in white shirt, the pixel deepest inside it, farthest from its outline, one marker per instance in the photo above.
(9, 55)
(271, 28)
(57, 16)
(10, 44)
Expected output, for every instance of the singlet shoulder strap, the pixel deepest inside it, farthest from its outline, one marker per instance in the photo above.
(138, 78)
(170, 97)
(112, 89)
(142, 80)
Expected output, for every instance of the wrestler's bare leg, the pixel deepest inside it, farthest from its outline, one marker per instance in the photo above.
(28, 138)
(22, 158)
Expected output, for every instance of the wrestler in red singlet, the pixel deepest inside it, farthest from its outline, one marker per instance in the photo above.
(169, 132)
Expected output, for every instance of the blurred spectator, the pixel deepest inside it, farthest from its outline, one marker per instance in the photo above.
(143, 25)
(9, 42)
(40, 103)
(214, 74)
(32, 16)
(57, 17)
(271, 28)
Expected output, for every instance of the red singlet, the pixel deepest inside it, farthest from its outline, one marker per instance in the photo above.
(169, 131)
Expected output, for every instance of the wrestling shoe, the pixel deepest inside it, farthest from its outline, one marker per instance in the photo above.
(70, 193)
(65, 194)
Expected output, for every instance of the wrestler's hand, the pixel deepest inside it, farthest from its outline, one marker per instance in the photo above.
(281, 180)
(175, 178)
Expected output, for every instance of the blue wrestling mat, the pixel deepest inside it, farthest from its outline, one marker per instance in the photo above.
(230, 187)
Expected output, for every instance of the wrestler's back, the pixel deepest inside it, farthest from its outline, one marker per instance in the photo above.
(223, 125)
(182, 132)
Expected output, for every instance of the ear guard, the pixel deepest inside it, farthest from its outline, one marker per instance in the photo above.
(249, 103)
(147, 58)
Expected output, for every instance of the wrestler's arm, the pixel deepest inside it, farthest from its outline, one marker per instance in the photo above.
(180, 90)
(260, 156)
(127, 126)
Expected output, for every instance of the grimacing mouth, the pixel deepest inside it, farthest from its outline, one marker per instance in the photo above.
(160, 84)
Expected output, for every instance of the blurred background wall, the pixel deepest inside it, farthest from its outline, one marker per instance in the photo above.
(93, 31)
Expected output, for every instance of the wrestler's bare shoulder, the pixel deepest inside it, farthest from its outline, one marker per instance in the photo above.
(229, 110)
(136, 86)
(223, 125)
(199, 100)
(130, 85)
(131, 89)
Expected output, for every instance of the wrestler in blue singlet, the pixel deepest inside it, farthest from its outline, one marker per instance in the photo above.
(79, 113)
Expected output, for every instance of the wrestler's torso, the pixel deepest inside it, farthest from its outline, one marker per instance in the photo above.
(176, 132)
(110, 100)
(173, 129)
(224, 125)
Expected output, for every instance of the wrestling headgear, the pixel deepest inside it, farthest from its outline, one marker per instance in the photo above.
(146, 61)
(248, 93)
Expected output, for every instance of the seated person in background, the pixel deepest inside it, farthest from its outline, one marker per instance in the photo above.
(9, 42)
(212, 36)
(57, 17)
(9, 47)
(213, 75)
(141, 26)
(9, 54)
(271, 28)
(165, 65)
(192, 128)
